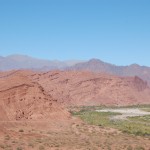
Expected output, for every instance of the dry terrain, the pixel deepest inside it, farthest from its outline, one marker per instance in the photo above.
(53, 136)
(35, 110)
(86, 88)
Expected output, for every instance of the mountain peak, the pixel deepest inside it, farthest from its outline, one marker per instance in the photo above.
(1, 57)
(134, 65)
(95, 60)
(18, 57)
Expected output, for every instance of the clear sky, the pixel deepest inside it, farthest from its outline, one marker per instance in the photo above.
(116, 31)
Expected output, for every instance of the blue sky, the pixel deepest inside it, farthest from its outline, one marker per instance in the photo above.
(116, 31)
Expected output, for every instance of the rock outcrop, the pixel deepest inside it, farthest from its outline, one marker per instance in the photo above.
(23, 99)
(86, 88)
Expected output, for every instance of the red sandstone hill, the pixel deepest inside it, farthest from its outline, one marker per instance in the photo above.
(96, 65)
(23, 99)
(93, 65)
(86, 88)
(27, 95)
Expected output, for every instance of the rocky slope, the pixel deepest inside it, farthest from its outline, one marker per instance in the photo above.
(23, 99)
(86, 88)
(28, 95)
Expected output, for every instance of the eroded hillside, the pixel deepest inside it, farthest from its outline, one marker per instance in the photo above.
(86, 88)
(23, 99)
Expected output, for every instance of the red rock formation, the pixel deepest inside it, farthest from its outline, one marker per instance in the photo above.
(26, 95)
(22, 99)
(85, 88)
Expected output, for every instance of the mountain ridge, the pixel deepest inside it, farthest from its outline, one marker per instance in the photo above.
(98, 66)
(83, 88)
(16, 61)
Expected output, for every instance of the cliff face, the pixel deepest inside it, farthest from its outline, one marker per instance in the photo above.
(139, 84)
(85, 88)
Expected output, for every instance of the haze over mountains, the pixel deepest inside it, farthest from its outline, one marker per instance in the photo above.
(94, 65)
(26, 62)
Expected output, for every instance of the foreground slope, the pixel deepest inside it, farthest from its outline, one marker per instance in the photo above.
(86, 88)
(22, 99)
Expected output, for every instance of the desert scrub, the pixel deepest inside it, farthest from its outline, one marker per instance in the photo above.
(7, 137)
(41, 147)
(19, 148)
(31, 145)
(129, 148)
(133, 128)
(139, 148)
(39, 140)
(146, 109)
(96, 118)
(2, 146)
(21, 130)
(102, 119)
(143, 119)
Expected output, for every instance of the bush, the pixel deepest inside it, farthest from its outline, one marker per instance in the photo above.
(21, 130)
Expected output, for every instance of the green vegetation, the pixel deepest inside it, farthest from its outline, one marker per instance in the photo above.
(146, 109)
(143, 119)
(96, 118)
(134, 125)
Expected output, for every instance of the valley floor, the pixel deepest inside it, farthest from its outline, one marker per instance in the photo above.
(71, 135)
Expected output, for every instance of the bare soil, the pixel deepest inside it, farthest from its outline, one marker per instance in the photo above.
(65, 136)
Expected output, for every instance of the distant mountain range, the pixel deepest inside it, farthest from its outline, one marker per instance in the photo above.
(26, 62)
(94, 65)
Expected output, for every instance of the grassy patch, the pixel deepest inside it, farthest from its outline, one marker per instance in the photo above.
(96, 118)
(135, 125)
(135, 128)
(146, 109)
(143, 119)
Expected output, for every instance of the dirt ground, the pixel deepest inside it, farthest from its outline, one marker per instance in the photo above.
(71, 135)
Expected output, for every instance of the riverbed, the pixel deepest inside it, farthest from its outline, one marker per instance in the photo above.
(125, 113)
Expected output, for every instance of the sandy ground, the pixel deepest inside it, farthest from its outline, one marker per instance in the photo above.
(125, 112)
(74, 136)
